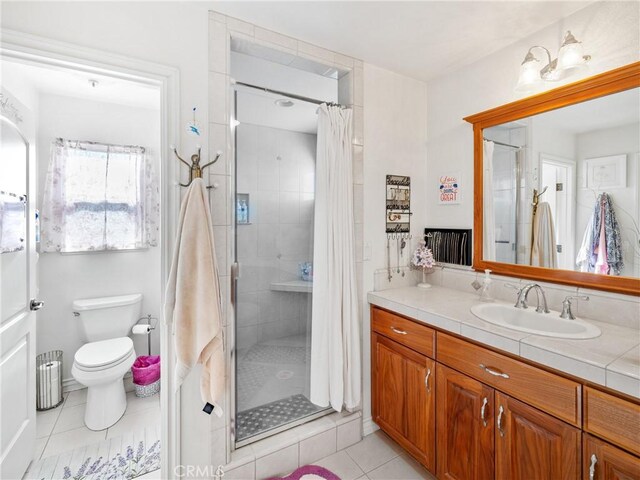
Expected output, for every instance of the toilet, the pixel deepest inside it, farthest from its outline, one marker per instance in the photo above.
(101, 364)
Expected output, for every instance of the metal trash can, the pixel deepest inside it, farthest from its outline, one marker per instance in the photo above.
(49, 380)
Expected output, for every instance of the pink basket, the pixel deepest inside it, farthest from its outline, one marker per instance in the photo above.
(146, 369)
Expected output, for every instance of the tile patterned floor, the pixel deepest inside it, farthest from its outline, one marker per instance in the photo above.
(376, 457)
(272, 384)
(271, 371)
(62, 429)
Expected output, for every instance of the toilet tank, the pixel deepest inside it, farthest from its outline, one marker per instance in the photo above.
(107, 317)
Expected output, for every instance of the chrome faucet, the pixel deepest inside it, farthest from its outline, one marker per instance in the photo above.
(523, 294)
(566, 306)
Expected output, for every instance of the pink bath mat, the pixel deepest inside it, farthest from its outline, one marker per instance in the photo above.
(310, 472)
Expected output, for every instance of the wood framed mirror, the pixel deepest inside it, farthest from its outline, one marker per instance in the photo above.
(549, 170)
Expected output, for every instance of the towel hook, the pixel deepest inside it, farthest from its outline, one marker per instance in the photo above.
(536, 198)
(195, 169)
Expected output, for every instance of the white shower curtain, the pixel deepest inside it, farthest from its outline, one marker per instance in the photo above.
(335, 336)
(488, 214)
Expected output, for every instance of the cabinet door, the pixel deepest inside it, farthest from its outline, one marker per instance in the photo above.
(531, 444)
(420, 409)
(603, 461)
(390, 388)
(404, 397)
(464, 426)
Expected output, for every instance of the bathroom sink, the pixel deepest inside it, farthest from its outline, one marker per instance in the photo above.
(546, 324)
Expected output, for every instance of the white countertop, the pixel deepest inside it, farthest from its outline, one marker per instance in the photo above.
(612, 359)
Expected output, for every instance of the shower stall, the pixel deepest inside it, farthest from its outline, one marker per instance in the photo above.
(275, 150)
(509, 167)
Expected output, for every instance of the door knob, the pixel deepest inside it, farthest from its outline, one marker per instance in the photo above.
(35, 304)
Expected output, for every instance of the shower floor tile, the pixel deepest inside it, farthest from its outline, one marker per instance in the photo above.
(272, 385)
(272, 370)
(266, 417)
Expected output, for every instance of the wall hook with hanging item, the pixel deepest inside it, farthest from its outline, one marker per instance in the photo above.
(195, 169)
(536, 198)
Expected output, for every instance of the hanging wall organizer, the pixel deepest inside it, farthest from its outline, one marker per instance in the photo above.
(397, 218)
(398, 211)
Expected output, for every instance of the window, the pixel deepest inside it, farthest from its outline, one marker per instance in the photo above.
(98, 197)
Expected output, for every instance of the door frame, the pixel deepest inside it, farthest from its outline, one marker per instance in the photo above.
(27, 48)
(571, 192)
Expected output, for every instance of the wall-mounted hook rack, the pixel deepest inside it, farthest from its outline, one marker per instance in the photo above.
(195, 169)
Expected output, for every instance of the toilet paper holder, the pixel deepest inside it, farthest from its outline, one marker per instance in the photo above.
(150, 324)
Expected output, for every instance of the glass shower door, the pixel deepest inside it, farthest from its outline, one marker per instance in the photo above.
(274, 184)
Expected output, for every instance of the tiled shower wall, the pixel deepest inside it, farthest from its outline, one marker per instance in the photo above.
(350, 93)
(276, 168)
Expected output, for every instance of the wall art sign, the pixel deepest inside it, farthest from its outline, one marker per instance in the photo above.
(449, 189)
(606, 172)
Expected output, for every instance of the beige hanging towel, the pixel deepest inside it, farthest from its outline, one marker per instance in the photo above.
(192, 302)
(543, 243)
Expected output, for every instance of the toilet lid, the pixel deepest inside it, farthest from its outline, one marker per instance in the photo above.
(104, 352)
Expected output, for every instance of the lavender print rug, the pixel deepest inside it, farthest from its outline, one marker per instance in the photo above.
(124, 457)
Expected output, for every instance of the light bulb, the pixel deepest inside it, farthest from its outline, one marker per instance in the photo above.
(571, 54)
(529, 78)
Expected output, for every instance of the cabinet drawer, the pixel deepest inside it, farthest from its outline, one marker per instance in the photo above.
(612, 418)
(408, 333)
(552, 393)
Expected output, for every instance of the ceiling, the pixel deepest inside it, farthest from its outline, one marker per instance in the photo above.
(259, 108)
(73, 83)
(421, 39)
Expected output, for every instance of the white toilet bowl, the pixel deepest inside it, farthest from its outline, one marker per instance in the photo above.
(101, 366)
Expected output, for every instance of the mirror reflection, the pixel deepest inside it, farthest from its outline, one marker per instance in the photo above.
(561, 188)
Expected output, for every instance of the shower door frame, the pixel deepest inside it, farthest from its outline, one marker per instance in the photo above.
(235, 275)
(37, 50)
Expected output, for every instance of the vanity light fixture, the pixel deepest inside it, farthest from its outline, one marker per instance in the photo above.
(570, 59)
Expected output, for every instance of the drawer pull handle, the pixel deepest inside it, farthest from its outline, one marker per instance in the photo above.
(495, 373)
(398, 331)
(482, 411)
(592, 467)
(426, 380)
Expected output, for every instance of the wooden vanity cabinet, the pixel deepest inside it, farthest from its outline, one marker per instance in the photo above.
(494, 416)
(531, 444)
(403, 387)
(603, 461)
(465, 426)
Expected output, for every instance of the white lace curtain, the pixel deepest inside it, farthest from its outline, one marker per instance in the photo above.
(98, 197)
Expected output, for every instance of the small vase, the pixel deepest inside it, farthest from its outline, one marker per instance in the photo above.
(424, 283)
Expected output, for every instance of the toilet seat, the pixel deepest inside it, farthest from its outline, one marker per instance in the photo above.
(103, 354)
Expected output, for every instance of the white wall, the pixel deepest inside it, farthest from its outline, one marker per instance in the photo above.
(610, 33)
(66, 277)
(602, 143)
(395, 131)
(168, 33)
(276, 168)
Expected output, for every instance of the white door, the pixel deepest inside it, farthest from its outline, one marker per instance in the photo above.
(17, 289)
